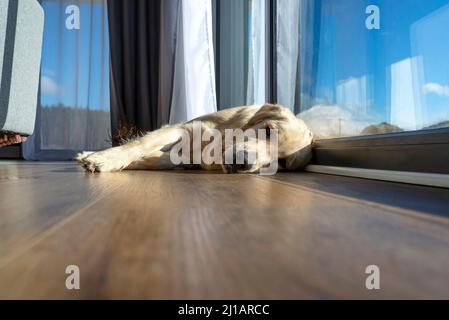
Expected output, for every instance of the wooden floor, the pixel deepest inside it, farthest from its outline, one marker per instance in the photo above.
(193, 235)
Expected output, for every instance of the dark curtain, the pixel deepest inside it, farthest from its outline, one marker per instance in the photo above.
(134, 31)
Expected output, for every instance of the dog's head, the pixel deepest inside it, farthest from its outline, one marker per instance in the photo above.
(294, 149)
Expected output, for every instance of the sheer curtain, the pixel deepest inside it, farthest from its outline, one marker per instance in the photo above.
(287, 49)
(257, 81)
(194, 67)
(73, 113)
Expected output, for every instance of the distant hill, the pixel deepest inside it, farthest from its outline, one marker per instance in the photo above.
(381, 128)
(444, 124)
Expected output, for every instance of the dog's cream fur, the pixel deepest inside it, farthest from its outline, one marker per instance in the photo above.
(152, 151)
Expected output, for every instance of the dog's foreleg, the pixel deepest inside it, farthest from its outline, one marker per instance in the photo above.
(158, 160)
(136, 151)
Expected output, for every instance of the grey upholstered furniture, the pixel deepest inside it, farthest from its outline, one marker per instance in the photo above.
(21, 31)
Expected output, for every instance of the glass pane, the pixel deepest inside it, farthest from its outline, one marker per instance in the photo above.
(74, 111)
(369, 67)
(240, 42)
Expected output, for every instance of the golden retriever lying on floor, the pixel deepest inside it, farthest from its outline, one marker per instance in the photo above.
(154, 150)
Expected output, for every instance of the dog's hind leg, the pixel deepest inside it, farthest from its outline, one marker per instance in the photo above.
(122, 157)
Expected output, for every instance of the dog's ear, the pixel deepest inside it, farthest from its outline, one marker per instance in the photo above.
(269, 113)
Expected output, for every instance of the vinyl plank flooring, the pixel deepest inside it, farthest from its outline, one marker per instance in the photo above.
(35, 197)
(193, 235)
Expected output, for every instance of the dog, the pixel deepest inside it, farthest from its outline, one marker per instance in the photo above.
(153, 151)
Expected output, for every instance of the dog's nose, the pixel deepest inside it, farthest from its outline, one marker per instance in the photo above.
(238, 167)
(282, 163)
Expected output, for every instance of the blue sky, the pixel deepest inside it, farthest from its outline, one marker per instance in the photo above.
(71, 76)
(401, 68)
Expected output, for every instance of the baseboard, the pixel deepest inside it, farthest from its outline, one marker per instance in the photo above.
(417, 178)
(11, 152)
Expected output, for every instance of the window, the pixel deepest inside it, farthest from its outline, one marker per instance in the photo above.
(74, 98)
(371, 73)
(370, 67)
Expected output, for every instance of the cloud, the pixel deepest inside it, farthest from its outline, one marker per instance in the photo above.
(48, 72)
(330, 121)
(436, 88)
(50, 87)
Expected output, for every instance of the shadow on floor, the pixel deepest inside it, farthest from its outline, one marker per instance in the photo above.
(422, 199)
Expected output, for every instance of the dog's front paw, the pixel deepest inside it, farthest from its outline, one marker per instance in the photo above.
(99, 162)
(83, 155)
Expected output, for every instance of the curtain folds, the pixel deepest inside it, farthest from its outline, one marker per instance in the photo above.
(73, 110)
(241, 46)
(162, 63)
(257, 66)
(134, 30)
(287, 47)
(194, 69)
(298, 26)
